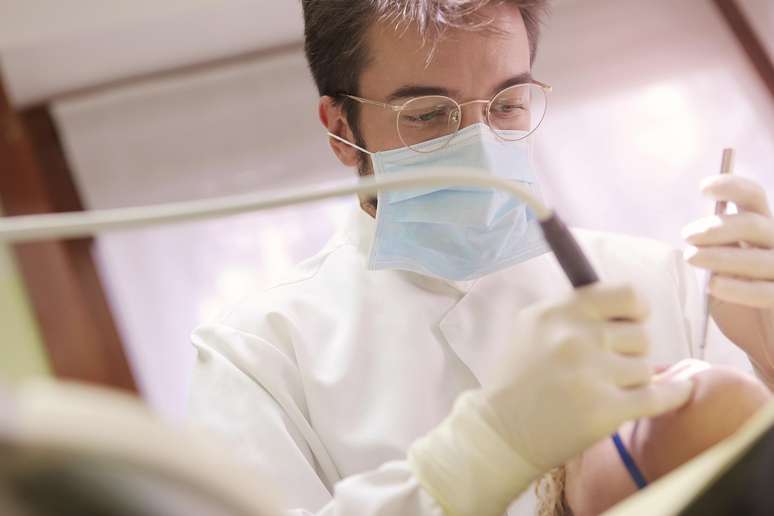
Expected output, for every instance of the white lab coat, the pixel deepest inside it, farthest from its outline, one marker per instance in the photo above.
(325, 380)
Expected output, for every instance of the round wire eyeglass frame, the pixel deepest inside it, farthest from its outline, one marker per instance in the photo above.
(457, 117)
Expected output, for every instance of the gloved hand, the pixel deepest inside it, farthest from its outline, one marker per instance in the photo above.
(576, 371)
(739, 250)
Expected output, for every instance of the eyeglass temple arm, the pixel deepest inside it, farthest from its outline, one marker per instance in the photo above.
(374, 103)
(543, 86)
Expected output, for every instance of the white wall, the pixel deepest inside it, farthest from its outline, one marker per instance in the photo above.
(52, 46)
(646, 94)
(248, 127)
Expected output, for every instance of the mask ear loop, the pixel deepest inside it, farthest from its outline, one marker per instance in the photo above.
(368, 204)
(353, 145)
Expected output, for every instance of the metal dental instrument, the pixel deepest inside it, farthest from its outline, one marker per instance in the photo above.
(571, 258)
(726, 167)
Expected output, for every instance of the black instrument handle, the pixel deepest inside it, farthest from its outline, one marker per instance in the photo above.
(568, 252)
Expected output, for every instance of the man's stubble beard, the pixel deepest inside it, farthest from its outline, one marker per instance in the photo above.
(368, 203)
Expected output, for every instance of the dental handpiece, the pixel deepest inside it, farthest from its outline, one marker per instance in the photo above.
(565, 247)
(27, 228)
(91, 223)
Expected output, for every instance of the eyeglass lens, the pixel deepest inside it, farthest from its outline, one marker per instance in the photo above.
(513, 115)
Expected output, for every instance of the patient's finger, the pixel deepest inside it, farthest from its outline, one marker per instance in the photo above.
(745, 193)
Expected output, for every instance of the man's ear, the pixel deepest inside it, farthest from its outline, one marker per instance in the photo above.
(333, 119)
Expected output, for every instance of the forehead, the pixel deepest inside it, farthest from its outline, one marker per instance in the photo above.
(468, 62)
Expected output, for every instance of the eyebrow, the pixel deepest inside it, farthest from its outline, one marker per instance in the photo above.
(522, 78)
(419, 90)
(416, 90)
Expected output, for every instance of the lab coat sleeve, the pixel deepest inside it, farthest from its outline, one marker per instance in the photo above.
(391, 489)
(247, 394)
(690, 301)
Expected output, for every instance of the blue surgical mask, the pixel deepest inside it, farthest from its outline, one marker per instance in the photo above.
(456, 233)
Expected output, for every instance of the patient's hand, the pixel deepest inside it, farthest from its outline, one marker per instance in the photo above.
(723, 399)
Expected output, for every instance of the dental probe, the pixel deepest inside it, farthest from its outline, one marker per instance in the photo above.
(726, 167)
(571, 258)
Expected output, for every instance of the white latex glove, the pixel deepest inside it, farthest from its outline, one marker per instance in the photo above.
(739, 250)
(576, 372)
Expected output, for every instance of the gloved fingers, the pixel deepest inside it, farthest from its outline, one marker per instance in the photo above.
(751, 228)
(746, 263)
(753, 293)
(655, 398)
(612, 301)
(628, 372)
(745, 193)
(625, 337)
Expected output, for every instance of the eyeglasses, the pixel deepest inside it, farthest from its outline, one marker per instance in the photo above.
(513, 114)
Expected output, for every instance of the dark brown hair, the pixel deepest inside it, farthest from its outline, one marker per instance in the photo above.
(335, 37)
(335, 31)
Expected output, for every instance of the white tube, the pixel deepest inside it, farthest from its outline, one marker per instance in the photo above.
(27, 228)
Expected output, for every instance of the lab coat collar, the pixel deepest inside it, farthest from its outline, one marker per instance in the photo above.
(360, 230)
(481, 326)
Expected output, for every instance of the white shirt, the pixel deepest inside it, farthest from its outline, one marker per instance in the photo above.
(325, 380)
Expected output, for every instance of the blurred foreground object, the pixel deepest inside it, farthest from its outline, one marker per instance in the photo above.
(68, 449)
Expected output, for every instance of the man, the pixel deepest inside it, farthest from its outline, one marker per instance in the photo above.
(434, 360)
